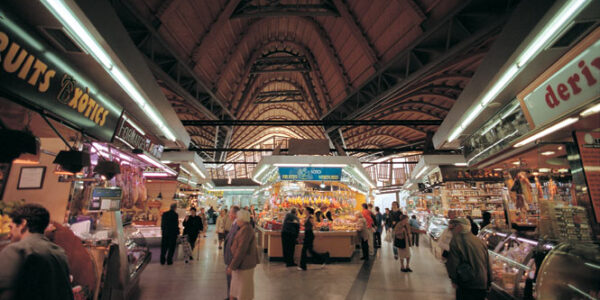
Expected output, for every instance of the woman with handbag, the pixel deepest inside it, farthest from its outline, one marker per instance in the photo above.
(402, 241)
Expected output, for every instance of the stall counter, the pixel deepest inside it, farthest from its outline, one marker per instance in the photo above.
(340, 244)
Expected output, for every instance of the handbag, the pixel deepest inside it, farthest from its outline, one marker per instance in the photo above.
(400, 243)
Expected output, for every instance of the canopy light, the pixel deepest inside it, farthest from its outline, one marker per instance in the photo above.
(547, 131)
(548, 153)
(460, 164)
(552, 29)
(590, 111)
(85, 39)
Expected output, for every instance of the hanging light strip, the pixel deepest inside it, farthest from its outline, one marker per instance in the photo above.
(85, 39)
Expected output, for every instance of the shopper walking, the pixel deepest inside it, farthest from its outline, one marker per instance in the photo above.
(378, 227)
(388, 219)
(363, 235)
(309, 238)
(415, 227)
(192, 226)
(202, 216)
(402, 241)
(289, 235)
(169, 226)
(227, 254)
(394, 219)
(369, 219)
(474, 226)
(487, 220)
(33, 267)
(244, 259)
(468, 263)
(220, 226)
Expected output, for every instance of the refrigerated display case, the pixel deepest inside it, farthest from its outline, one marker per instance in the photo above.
(571, 271)
(138, 253)
(436, 226)
(515, 258)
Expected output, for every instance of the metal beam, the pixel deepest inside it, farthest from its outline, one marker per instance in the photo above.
(246, 9)
(363, 162)
(357, 150)
(311, 122)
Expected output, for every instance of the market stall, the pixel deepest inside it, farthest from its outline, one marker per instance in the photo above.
(335, 186)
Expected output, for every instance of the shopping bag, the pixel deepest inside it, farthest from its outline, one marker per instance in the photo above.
(186, 247)
(389, 236)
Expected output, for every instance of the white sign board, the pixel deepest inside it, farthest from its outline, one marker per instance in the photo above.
(574, 85)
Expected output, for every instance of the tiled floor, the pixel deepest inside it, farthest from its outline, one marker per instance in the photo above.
(205, 278)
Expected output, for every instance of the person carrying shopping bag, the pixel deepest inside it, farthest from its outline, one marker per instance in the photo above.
(402, 242)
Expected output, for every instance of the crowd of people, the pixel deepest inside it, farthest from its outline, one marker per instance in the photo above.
(466, 257)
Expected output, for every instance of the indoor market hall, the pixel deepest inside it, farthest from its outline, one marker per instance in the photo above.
(299, 149)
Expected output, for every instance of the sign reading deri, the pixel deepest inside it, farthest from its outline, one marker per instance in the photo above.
(30, 70)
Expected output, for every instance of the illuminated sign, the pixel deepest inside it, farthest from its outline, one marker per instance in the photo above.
(310, 174)
(32, 72)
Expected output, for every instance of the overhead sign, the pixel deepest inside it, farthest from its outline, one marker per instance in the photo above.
(31, 70)
(451, 173)
(574, 85)
(310, 174)
(136, 139)
(589, 150)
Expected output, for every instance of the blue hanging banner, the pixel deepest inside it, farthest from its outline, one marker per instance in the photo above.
(310, 174)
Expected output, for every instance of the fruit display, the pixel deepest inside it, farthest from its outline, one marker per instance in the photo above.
(6, 207)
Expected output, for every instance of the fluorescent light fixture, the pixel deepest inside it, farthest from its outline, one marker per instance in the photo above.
(78, 32)
(548, 153)
(156, 174)
(460, 164)
(421, 172)
(590, 111)
(125, 142)
(197, 169)
(563, 170)
(544, 170)
(328, 165)
(184, 170)
(262, 170)
(516, 163)
(494, 144)
(291, 165)
(125, 157)
(498, 169)
(156, 163)
(128, 120)
(551, 30)
(547, 131)
(363, 177)
(85, 39)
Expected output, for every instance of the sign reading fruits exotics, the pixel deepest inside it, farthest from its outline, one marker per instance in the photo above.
(574, 85)
(31, 71)
(310, 174)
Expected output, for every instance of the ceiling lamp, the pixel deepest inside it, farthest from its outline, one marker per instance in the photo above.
(108, 169)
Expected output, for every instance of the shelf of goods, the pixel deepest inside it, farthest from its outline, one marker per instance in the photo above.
(515, 258)
(462, 199)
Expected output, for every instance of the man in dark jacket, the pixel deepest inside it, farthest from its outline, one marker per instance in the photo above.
(227, 254)
(170, 230)
(32, 267)
(289, 235)
(192, 225)
(468, 256)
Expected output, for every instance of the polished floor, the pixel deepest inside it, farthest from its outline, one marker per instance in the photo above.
(380, 278)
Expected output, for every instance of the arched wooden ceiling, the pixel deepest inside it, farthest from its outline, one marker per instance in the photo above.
(303, 59)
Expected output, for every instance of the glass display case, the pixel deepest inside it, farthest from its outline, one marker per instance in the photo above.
(138, 253)
(571, 271)
(515, 258)
(436, 226)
